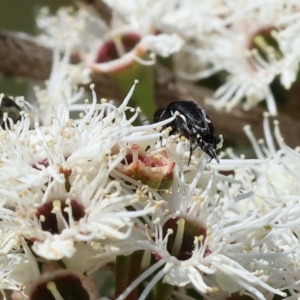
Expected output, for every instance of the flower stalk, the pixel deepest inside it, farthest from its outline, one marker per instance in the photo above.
(122, 267)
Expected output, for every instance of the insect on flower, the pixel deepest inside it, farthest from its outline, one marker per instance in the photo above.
(10, 109)
(192, 122)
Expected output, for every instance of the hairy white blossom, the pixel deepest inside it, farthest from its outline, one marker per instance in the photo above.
(195, 241)
(83, 185)
(64, 171)
(207, 37)
(96, 43)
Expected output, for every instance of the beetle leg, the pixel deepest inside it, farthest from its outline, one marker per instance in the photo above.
(191, 152)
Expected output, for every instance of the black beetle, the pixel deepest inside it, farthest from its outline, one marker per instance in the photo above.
(10, 107)
(192, 122)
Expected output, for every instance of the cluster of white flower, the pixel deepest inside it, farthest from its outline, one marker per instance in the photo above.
(98, 191)
(94, 206)
(251, 42)
(105, 48)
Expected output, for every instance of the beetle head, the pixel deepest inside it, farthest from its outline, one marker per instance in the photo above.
(208, 145)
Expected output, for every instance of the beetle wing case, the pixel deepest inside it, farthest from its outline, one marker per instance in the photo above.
(193, 122)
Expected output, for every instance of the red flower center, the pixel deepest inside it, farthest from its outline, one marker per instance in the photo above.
(69, 286)
(108, 50)
(49, 221)
(186, 243)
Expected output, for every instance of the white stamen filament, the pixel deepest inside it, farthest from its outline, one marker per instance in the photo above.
(179, 236)
(137, 281)
(253, 141)
(153, 282)
(61, 222)
(51, 286)
(117, 40)
(128, 97)
(69, 211)
(268, 135)
(135, 152)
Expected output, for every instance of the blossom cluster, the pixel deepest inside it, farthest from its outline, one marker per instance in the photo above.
(95, 205)
(106, 205)
(249, 43)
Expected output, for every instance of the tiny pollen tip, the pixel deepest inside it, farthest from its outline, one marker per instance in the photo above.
(152, 55)
(200, 238)
(266, 114)
(156, 221)
(247, 128)
(136, 81)
(274, 33)
(276, 122)
(51, 285)
(254, 51)
(261, 141)
(56, 204)
(92, 86)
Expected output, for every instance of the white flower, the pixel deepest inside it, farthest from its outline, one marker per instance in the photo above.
(195, 242)
(62, 88)
(277, 177)
(62, 283)
(58, 180)
(248, 77)
(237, 44)
(69, 29)
(17, 270)
(91, 190)
(211, 36)
(102, 47)
(276, 181)
(163, 44)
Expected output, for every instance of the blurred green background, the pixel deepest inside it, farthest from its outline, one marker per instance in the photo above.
(20, 15)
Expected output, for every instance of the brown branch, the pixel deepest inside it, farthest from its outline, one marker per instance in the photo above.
(23, 57)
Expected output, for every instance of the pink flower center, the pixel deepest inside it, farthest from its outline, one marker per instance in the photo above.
(147, 161)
